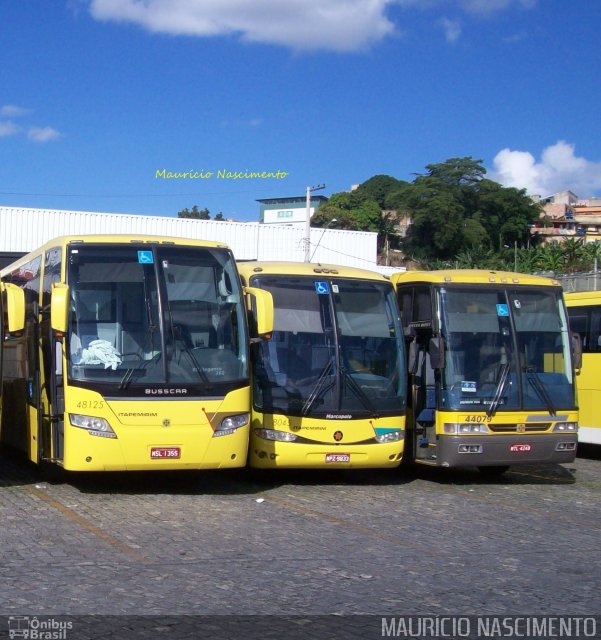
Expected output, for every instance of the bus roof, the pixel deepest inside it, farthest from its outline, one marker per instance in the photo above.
(471, 276)
(64, 241)
(576, 298)
(252, 267)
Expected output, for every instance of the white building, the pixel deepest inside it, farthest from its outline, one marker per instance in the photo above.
(288, 211)
(23, 230)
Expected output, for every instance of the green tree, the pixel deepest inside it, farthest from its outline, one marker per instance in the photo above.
(378, 188)
(454, 208)
(349, 211)
(550, 257)
(202, 214)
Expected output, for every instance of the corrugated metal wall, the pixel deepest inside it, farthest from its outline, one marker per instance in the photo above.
(22, 230)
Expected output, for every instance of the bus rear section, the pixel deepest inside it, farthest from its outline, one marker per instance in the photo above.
(329, 386)
(134, 356)
(584, 310)
(491, 375)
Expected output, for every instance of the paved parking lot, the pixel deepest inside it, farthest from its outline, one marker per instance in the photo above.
(419, 542)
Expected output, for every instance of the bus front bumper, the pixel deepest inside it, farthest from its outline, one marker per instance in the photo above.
(486, 451)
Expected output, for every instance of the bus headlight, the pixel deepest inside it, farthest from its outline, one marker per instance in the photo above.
(566, 427)
(458, 428)
(93, 425)
(279, 436)
(230, 424)
(390, 436)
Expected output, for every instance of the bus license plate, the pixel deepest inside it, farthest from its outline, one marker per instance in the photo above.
(520, 448)
(165, 452)
(338, 457)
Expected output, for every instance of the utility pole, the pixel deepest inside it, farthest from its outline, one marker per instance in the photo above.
(307, 236)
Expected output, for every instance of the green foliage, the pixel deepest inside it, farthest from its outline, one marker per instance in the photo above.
(378, 187)
(472, 211)
(202, 214)
(356, 211)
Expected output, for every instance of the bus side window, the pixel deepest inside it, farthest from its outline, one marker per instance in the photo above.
(579, 323)
(595, 342)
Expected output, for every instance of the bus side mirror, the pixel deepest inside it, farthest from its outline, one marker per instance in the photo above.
(577, 351)
(262, 317)
(15, 307)
(413, 355)
(436, 352)
(59, 307)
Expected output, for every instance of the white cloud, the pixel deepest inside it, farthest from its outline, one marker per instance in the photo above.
(43, 134)
(451, 28)
(339, 25)
(13, 111)
(559, 168)
(302, 25)
(8, 128)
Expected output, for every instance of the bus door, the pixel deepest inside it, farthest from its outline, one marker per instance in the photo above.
(49, 372)
(2, 323)
(423, 396)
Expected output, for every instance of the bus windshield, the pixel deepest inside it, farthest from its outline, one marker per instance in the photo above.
(505, 349)
(337, 347)
(155, 315)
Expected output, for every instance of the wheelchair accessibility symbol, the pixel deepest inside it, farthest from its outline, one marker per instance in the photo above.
(322, 288)
(145, 257)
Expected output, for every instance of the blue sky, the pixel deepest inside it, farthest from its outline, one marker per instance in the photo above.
(97, 95)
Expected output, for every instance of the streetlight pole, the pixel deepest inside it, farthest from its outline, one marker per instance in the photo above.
(307, 235)
(515, 256)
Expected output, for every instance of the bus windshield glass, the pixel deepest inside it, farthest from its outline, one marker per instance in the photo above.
(155, 315)
(337, 348)
(505, 349)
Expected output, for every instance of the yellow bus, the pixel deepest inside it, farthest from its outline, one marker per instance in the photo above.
(329, 387)
(134, 355)
(584, 311)
(491, 369)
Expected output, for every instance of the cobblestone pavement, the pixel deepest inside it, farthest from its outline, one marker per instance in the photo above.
(424, 542)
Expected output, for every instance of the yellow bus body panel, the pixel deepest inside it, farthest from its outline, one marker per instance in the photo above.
(469, 276)
(352, 438)
(588, 382)
(185, 426)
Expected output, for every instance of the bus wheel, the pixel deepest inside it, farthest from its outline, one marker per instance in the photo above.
(494, 471)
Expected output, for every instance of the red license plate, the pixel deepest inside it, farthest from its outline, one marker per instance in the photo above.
(165, 452)
(520, 448)
(338, 457)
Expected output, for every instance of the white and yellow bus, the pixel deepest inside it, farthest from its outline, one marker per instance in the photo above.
(329, 388)
(134, 355)
(491, 369)
(584, 311)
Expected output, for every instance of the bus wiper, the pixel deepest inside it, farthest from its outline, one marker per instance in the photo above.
(319, 388)
(358, 391)
(499, 391)
(129, 376)
(539, 387)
